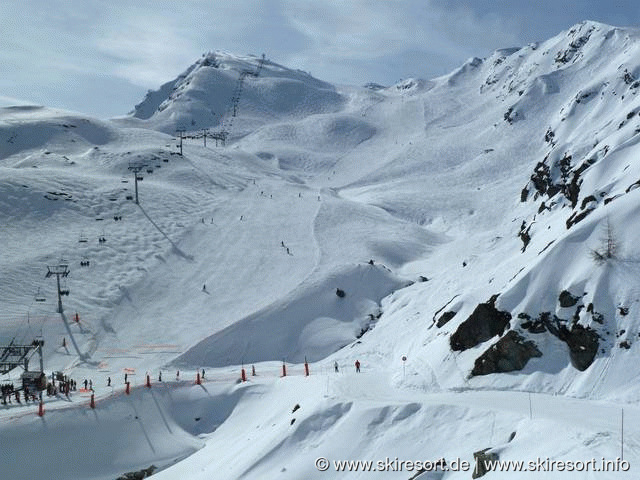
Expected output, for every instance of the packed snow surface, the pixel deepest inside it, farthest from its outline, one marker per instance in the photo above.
(329, 224)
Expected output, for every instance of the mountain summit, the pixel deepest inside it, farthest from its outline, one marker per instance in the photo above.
(212, 91)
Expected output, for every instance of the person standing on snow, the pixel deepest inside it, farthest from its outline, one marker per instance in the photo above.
(335, 366)
(357, 366)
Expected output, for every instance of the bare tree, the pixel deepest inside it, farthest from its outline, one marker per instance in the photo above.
(608, 249)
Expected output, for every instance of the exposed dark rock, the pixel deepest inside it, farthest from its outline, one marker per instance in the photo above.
(582, 341)
(567, 300)
(583, 345)
(511, 352)
(541, 178)
(586, 200)
(629, 79)
(633, 186)
(340, 293)
(138, 475)
(576, 314)
(625, 344)
(572, 190)
(510, 116)
(524, 235)
(623, 311)
(533, 326)
(485, 322)
(482, 459)
(524, 194)
(442, 308)
(548, 137)
(444, 318)
(578, 217)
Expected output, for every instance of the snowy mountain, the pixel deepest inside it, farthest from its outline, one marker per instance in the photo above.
(469, 239)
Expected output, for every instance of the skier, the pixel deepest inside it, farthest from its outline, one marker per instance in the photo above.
(108, 381)
(90, 385)
(335, 366)
(125, 377)
(177, 375)
(203, 373)
(160, 377)
(86, 382)
(204, 287)
(357, 366)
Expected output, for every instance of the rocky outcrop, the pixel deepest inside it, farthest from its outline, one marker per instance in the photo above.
(511, 352)
(567, 300)
(444, 318)
(582, 341)
(484, 323)
(139, 475)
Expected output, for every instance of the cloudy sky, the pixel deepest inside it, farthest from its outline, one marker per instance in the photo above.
(100, 57)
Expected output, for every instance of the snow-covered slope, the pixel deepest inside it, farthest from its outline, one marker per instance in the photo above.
(236, 94)
(480, 225)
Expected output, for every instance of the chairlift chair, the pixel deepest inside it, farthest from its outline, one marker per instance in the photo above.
(64, 290)
(39, 297)
(83, 238)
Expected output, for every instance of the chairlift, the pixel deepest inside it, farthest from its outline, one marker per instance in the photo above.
(83, 238)
(64, 290)
(149, 170)
(39, 297)
(84, 262)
